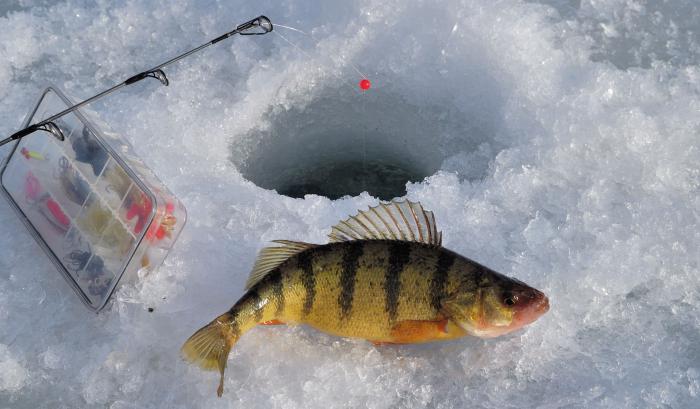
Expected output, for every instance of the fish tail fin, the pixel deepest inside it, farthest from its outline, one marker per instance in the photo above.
(210, 345)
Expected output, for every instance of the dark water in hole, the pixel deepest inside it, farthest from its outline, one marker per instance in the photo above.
(337, 179)
(342, 144)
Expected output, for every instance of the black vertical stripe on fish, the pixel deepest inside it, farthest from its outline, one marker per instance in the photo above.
(277, 288)
(478, 277)
(234, 312)
(250, 301)
(438, 283)
(308, 280)
(351, 260)
(254, 301)
(399, 254)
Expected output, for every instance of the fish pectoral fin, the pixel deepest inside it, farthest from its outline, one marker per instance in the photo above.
(272, 322)
(414, 331)
(459, 310)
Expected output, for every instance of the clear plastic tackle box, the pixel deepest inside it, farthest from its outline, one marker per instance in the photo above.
(98, 212)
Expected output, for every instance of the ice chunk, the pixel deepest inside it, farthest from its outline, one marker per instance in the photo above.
(13, 376)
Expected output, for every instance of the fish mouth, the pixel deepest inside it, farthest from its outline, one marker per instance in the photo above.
(537, 306)
(543, 305)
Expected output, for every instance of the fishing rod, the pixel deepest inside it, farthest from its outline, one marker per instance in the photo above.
(257, 26)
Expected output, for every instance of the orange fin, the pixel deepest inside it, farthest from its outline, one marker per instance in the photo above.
(442, 326)
(410, 331)
(272, 322)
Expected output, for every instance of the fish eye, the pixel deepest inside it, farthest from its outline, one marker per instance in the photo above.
(510, 300)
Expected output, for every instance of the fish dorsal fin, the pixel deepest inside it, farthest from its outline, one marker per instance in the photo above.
(396, 220)
(270, 258)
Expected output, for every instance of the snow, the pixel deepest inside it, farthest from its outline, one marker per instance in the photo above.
(560, 141)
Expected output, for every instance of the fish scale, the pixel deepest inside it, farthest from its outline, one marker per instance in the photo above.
(363, 285)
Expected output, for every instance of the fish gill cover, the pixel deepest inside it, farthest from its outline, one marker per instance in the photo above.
(566, 137)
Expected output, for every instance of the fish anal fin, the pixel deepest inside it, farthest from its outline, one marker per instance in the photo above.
(383, 343)
(396, 220)
(442, 326)
(272, 322)
(270, 258)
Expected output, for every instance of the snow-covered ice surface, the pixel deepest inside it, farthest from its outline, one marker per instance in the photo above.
(562, 143)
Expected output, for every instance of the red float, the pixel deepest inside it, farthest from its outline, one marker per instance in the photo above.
(365, 84)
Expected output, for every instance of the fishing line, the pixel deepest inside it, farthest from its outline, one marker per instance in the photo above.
(364, 155)
(350, 64)
(353, 66)
(443, 50)
(364, 84)
(290, 28)
(310, 57)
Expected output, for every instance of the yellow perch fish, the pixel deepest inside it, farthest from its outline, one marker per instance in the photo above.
(384, 277)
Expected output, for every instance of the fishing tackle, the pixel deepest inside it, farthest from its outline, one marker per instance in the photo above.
(116, 239)
(101, 226)
(139, 208)
(58, 217)
(257, 26)
(96, 276)
(47, 206)
(32, 188)
(31, 154)
(116, 181)
(94, 219)
(76, 260)
(166, 226)
(88, 150)
(89, 268)
(99, 286)
(96, 269)
(75, 188)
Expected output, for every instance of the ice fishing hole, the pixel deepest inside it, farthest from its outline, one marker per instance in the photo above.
(375, 143)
